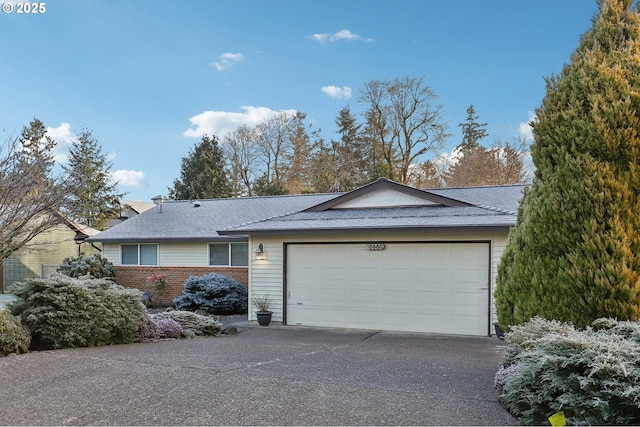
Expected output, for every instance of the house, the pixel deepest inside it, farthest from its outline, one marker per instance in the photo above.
(180, 238)
(131, 208)
(384, 256)
(46, 252)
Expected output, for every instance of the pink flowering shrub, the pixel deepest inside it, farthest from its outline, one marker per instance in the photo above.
(170, 328)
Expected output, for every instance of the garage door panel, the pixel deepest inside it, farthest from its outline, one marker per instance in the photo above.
(422, 287)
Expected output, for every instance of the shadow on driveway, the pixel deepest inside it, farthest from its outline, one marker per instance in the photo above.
(266, 376)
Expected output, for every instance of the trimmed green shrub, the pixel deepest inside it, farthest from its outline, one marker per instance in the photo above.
(62, 312)
(14, 338)
(199, 324)
(213, 293)
(94, 266)
(592, 374)
(574, 253)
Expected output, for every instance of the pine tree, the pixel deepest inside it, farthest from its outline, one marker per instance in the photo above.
(94, 200)
(350, 152)
(472, 131)
(203, 174)
(36, 152)
(574, 252)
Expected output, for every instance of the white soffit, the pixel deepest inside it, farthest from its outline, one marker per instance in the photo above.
(384, 198)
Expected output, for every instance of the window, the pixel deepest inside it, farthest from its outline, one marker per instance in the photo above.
(229, 254)
(143, 254)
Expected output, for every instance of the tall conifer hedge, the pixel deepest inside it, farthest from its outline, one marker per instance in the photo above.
(574, 254)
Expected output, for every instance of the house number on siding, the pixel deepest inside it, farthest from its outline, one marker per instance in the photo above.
(374, 246)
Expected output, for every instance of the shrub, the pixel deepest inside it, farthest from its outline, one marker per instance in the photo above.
(170, 328)
(213, 293)
(94, 266)
(573, 253)
(148, 330)
(61, 312)
(592, 375)
(160, 291)
(14, 338)
(199, 324)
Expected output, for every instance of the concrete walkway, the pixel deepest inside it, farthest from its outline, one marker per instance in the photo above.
(276, 375)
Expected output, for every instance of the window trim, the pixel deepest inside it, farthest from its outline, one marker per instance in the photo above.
(139, 245)
(229, 254)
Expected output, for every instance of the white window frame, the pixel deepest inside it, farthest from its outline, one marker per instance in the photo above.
(139, 257)
(229, 254)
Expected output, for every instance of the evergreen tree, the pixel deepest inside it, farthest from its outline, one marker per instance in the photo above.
(203, 174)
(263, 187)
(323, 166)
(574, 252)
(36, 151)
(472, 131)
(297, 177)
(93, 198)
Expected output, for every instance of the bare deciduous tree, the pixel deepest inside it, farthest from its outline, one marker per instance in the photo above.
(274, 141)
(30, 196)
(241, 150)
(403, 122)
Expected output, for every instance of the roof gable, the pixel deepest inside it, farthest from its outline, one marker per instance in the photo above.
(384, 193)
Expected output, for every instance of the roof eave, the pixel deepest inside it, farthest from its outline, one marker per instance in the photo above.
(492, 227)
(239, 236)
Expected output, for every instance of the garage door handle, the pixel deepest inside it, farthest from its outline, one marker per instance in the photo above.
(299, 303)
(484, 289)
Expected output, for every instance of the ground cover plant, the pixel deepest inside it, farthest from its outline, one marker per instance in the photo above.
(170, 328)
(213, 293)
(61, 312)
(591, 374)
(14, 338)
(199, 324)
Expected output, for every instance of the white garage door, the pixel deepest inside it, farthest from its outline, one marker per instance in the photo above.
(418, 287)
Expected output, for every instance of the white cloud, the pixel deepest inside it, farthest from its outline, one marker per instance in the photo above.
(62, 134)
(338, 36)
(63, 137)
(336, 92)
(525, 128)
(129, 178)
(222, 122)
(227, 60)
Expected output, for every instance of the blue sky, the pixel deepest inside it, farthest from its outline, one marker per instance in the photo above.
(149, 76)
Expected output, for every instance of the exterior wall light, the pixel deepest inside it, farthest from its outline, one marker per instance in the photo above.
(260, 252)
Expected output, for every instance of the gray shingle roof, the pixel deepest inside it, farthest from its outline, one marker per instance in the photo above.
(235, 218)
(493, 207)
(505, 197)
(180, 220)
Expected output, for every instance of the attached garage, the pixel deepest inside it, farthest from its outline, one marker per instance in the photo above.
(385, 257)
(437, 287)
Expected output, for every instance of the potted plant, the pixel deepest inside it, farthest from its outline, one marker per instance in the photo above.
(262, 303)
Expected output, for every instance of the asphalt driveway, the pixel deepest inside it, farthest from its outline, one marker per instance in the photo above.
(261, 376)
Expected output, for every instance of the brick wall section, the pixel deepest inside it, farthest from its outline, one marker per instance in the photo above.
(136, 276)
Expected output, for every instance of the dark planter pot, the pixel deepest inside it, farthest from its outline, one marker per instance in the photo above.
(499, 331)
(264, 317)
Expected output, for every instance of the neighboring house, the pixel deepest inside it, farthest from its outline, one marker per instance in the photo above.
(384, 256)
(131, 208)
(46, 252)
